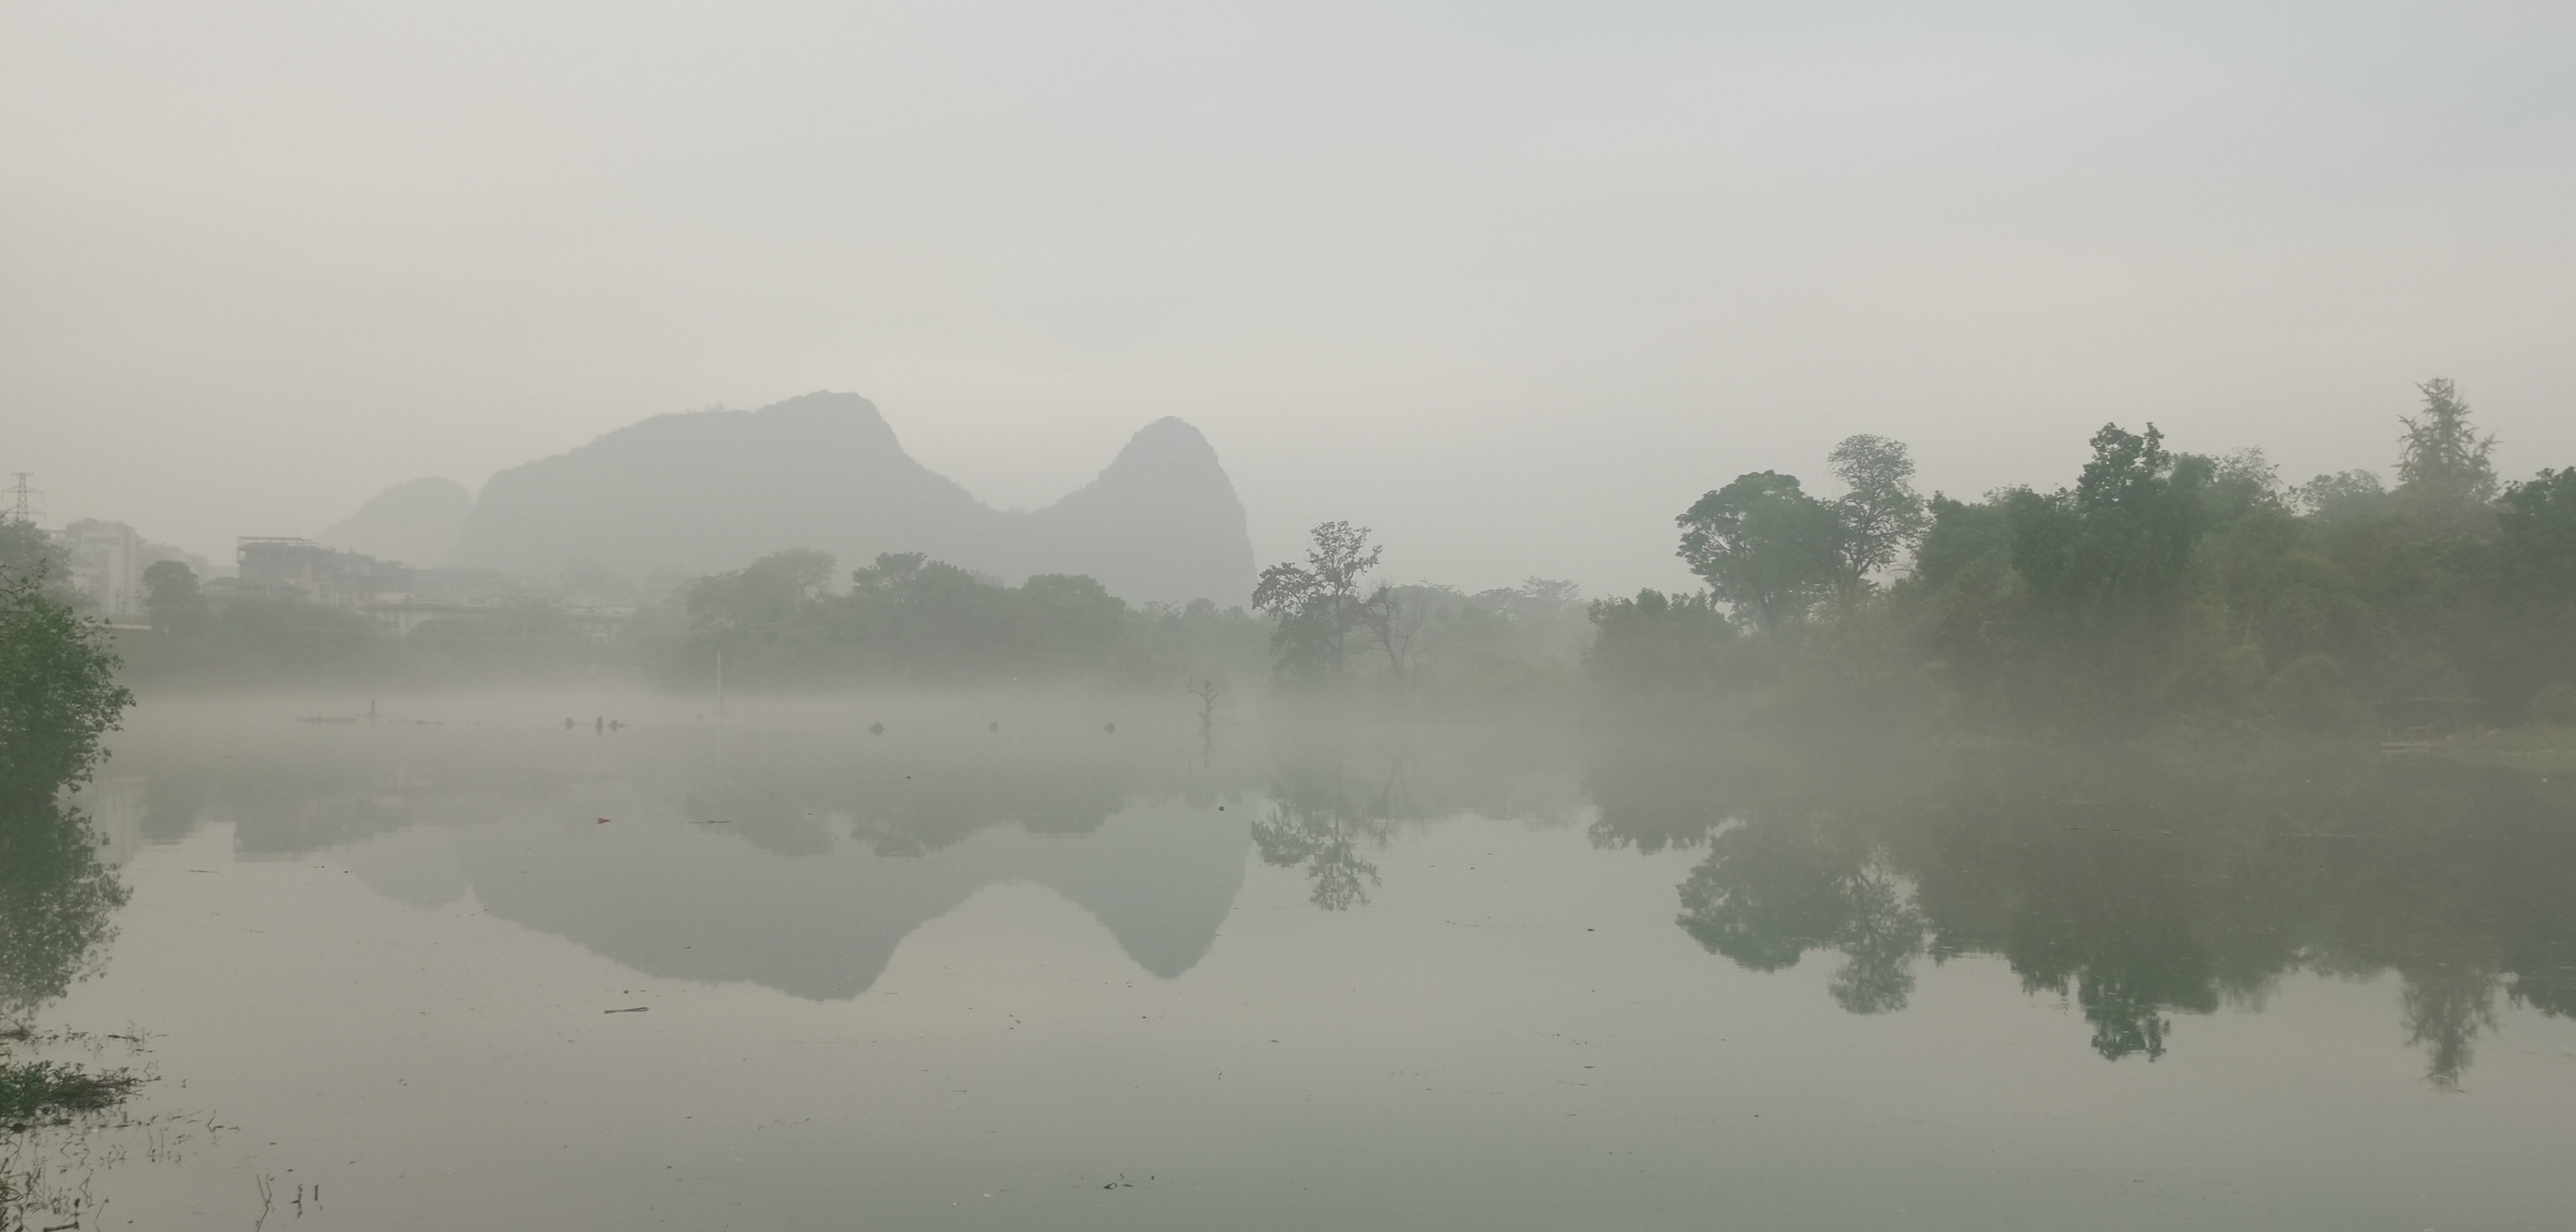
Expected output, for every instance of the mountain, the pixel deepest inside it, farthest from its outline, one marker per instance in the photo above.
(415, 523)
(1162, 522)
(697, 493)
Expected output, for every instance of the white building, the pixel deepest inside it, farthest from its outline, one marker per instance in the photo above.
(108, 560)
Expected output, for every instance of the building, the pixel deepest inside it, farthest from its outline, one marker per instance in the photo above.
(285, 568)
(107, 564)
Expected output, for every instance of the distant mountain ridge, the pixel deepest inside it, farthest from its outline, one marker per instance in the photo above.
(712, 490)
(415, 523)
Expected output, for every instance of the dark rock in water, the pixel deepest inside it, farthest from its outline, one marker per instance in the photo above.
(698, 493)
(416, 523)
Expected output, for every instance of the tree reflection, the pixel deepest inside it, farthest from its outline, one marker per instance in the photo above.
(1768, 893)
(1319, 820)
(2139, 888)
(56, 901)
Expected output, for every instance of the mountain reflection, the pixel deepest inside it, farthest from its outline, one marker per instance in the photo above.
(2138, 886)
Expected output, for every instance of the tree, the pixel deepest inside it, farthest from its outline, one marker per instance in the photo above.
(171, 595)
(26, 550)
(2345, 496)
(2534, 557)
(2536, 521)
(1318, 604)
(1764, 547)
(2444, 475)
(1881, 516)
(1394, 622)
(2121, 543)
(58, 690)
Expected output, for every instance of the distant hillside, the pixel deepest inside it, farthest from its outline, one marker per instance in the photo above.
(415, 523)
(695, 493)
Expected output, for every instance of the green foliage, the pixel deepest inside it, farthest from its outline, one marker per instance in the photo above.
(27, 551)
(56, 900)
(1764, 547)
(1318, 605)
(2536, 541)
(171, 595)
(1880, 516)
(2444, 474)
(907, 619)
(1438, 642)
(268, 641)
(2159, 589)
(2081, 607)
(1658, 643)
(2140, 885)
(28, 1091)
(58, 690)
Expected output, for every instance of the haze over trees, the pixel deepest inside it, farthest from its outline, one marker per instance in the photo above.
(2158, 587)
(1318, 605)
(784, 622)
(58, 689)
(1331, 624)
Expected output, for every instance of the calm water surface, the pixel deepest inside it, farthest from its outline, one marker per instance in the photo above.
(464, 966)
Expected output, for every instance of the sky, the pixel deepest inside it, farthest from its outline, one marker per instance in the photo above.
(1510, 282)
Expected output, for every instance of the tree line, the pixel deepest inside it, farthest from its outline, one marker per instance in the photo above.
(2158, 587)
(783, 622)
(1333, 624)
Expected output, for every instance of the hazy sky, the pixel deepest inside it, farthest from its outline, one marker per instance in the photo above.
(1511, 282)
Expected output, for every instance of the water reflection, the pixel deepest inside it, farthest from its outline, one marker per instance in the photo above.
(1319, 820)
(799, 853)
(57, 903)
(2138, 887)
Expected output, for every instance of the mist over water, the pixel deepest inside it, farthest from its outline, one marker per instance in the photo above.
(1330, 616)
(883, 956)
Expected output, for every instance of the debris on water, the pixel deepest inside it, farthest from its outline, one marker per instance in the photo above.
(632, 1009)
(603, 821)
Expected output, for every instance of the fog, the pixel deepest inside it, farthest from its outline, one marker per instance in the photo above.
(1144, 615)
(1512, 284)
